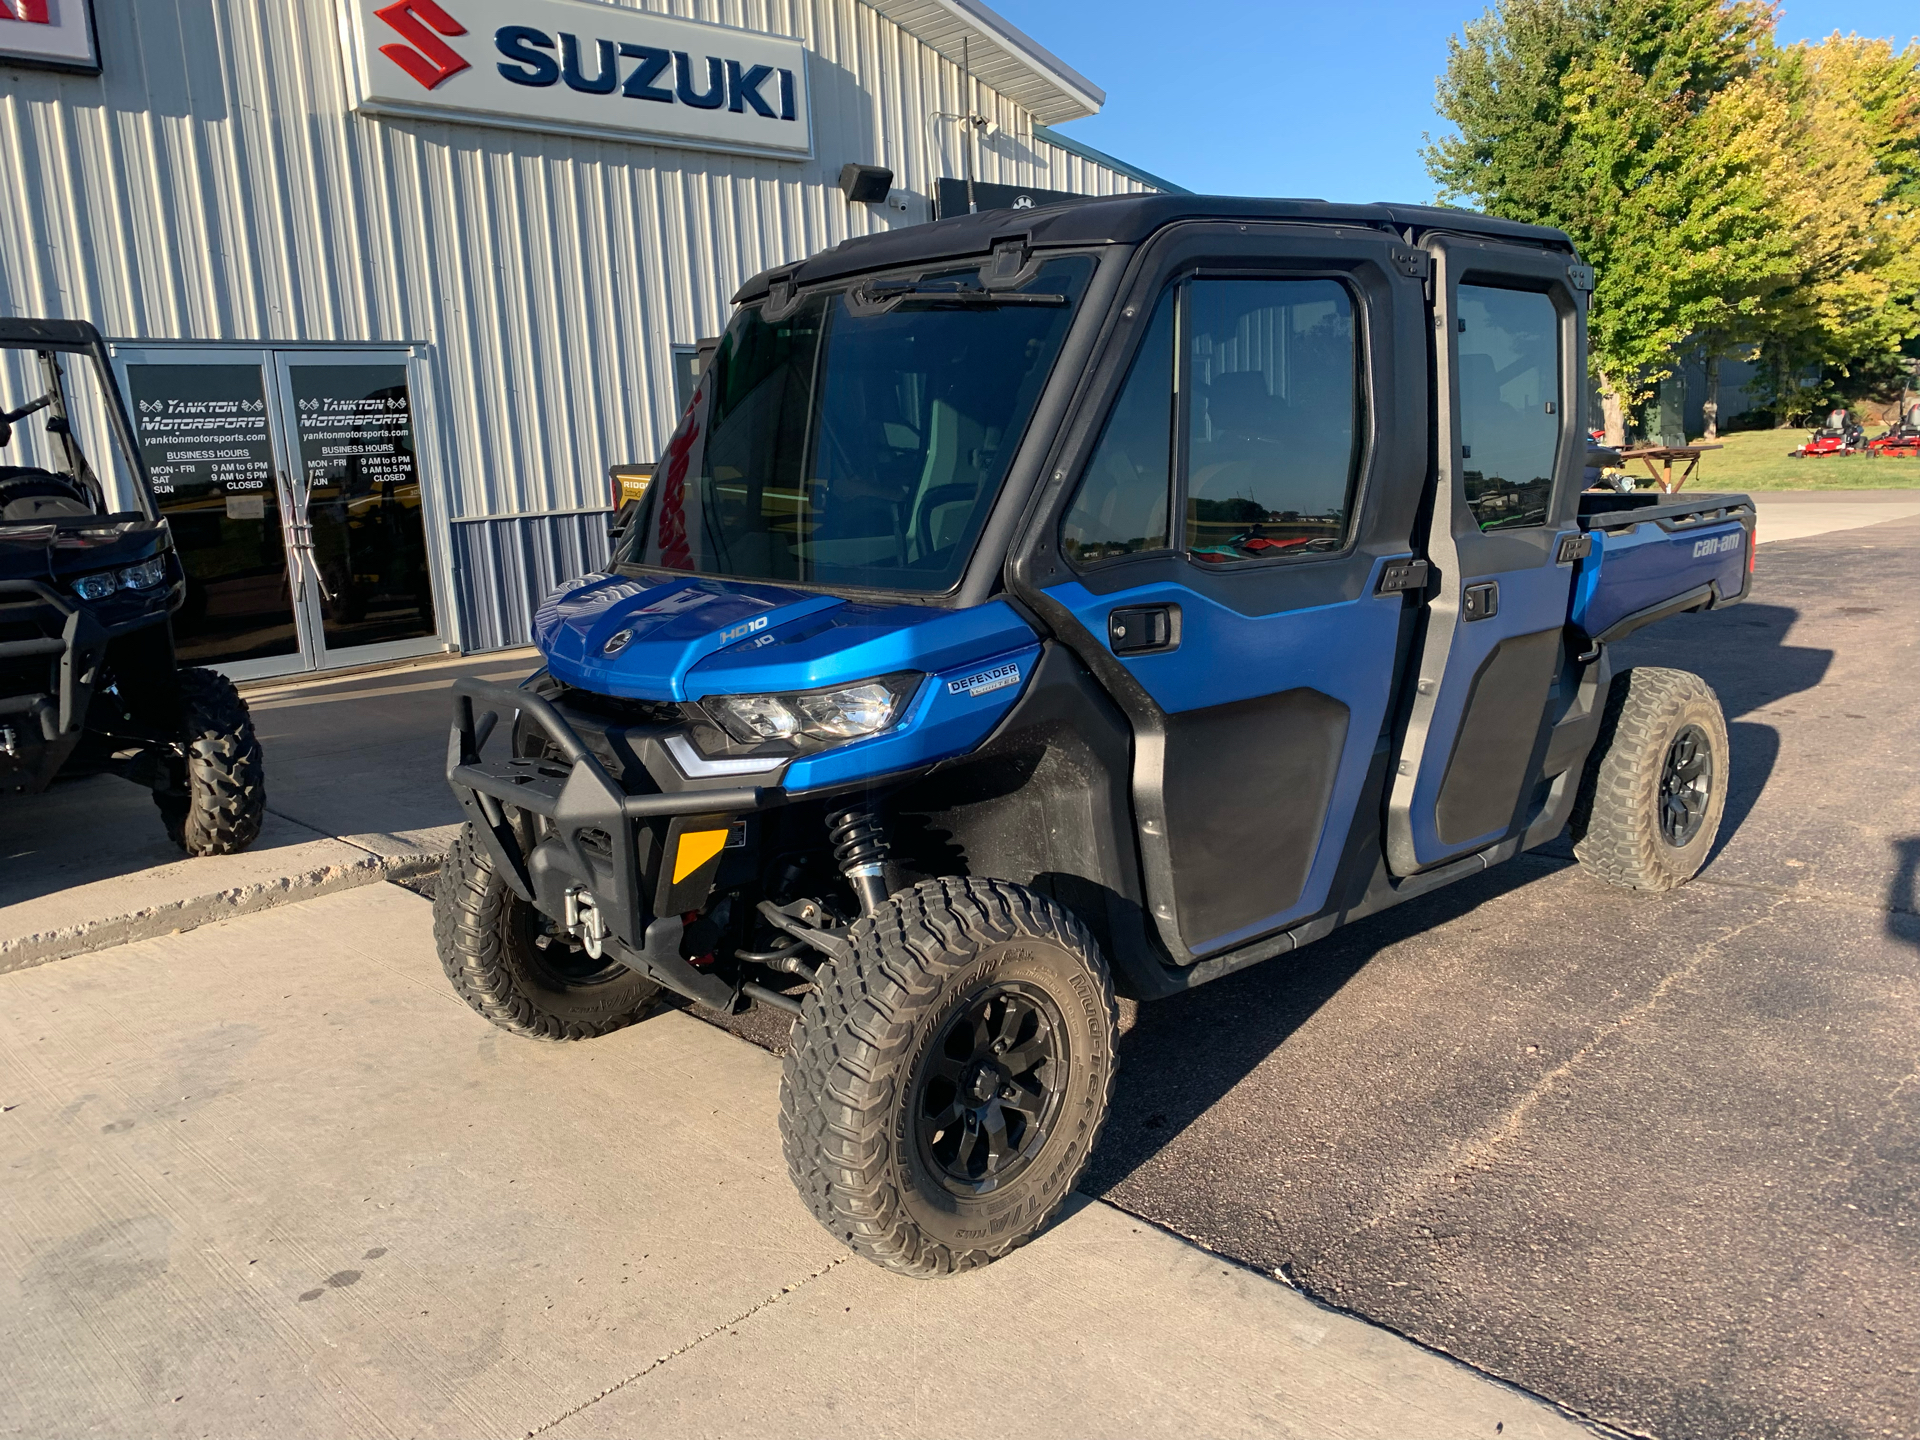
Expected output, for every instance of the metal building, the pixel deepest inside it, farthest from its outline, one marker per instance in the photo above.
(394, 282)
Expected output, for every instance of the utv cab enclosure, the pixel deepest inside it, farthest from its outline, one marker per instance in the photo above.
(1040, 603)
(88, 677)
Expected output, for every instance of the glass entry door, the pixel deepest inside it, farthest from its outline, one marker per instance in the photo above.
(291, 480)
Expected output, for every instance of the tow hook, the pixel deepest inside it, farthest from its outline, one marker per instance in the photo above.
(583, 919)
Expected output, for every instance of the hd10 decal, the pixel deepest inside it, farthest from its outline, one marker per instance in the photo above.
(578, 68)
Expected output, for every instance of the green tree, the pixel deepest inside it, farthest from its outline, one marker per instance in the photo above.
(1837, 330)
(1648, 131)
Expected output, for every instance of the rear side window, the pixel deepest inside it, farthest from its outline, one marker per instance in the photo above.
(1273, 424)
(1509, 404)
(1121, 506)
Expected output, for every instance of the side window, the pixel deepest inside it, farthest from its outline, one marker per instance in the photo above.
(1274, 420)
(1509, 404)
(1121, 506)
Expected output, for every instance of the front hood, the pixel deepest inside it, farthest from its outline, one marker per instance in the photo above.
(615, 635)
(53, 549)
(686, 639)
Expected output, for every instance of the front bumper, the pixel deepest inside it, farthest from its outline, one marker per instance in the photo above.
(54, 710)
(597, 837)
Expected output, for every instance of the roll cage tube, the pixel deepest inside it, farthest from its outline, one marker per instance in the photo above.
(51, 338)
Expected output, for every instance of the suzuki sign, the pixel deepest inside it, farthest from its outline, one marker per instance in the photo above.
(580, 69)
(49, 34)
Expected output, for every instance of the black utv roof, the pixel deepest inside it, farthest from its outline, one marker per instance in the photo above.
(1124, 220)
(18, 333)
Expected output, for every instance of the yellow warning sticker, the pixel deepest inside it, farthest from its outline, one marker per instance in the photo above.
(697, 847)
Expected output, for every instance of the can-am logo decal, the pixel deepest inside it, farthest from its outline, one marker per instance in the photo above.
(577, 67)
(986, 681)
(1719, 546)
(617, 642)
(426, 57)
(743, 629)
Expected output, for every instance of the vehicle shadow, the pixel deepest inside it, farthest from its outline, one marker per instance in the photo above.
(1169, 1076)
(1903, 904)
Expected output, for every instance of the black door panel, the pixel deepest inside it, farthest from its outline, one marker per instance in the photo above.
(1493, 750)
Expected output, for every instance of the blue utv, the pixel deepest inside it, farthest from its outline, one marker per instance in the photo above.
(1042, 603)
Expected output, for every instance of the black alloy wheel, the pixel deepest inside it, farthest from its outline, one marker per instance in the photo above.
(1686, 786)
(988, 1090)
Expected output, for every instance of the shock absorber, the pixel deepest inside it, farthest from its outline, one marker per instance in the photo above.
(860, 850)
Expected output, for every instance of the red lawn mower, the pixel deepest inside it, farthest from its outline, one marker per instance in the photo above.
(1903, 440)
(1841, 435)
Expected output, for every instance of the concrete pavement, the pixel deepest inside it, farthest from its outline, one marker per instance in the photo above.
(271, 1177)
(1800, 514)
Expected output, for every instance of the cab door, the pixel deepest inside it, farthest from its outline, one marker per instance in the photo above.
(1510, 356)
(1230, 558)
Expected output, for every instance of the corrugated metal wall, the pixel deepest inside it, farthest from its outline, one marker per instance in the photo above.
(212, 185)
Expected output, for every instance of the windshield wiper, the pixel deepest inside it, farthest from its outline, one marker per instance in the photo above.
(956, 293)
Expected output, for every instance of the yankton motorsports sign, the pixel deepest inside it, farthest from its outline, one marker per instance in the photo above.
(580, 69)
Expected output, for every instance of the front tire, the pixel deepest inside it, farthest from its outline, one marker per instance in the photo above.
(487, 938)
(1656, 785)
(225, 799)
(946, 1085)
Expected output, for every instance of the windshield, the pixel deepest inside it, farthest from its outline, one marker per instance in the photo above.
(56, 425)
(858, 440)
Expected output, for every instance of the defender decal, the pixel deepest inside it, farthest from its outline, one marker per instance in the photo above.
(986, 681)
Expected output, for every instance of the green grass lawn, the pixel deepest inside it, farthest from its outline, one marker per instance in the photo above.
(1757, 460)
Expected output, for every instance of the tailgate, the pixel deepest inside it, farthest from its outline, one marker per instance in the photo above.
(1649, 561)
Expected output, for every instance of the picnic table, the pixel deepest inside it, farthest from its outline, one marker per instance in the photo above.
(1659, 462)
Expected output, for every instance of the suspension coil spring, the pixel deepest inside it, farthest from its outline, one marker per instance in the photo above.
(860, 850)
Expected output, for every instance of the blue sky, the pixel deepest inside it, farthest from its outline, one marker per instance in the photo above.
(1263, 97)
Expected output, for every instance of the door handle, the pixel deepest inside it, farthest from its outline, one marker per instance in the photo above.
(1143, 629)
(300, 540)
(1480, 600)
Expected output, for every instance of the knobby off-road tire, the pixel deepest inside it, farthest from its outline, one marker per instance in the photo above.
(904, 1035)
(1656, 785)
(226, 784)
(485, 935)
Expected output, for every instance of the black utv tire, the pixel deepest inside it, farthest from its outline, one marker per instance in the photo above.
(226, 788)
(1656, 784)
(945, 1085)
(485, 935)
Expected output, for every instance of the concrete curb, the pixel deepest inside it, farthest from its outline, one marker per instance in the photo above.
(25, 951)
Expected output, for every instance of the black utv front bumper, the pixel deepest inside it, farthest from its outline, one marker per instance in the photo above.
(591, 834)
(51, 646)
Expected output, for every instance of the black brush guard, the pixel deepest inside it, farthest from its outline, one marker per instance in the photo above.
(593, 820)
(80, 642)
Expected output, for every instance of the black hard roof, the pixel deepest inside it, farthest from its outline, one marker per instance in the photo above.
(48, 334)
(1124, 220)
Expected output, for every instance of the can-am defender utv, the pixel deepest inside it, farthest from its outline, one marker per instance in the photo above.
(1042, 599)
(88, 678)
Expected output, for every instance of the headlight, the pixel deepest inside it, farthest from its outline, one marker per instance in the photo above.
(844, 714)
(145, 575)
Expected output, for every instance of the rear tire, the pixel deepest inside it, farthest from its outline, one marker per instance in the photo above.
(1656, 784)
(226, 788)
(485, 935)
(945, 1086)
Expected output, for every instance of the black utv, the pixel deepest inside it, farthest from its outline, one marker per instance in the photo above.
(88, 679)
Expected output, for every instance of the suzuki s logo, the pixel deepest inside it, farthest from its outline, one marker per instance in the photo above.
(617, 642)
(426, 57)
(33, 12)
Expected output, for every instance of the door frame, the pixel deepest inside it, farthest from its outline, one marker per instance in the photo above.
(1459, 552)
(312, 655)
